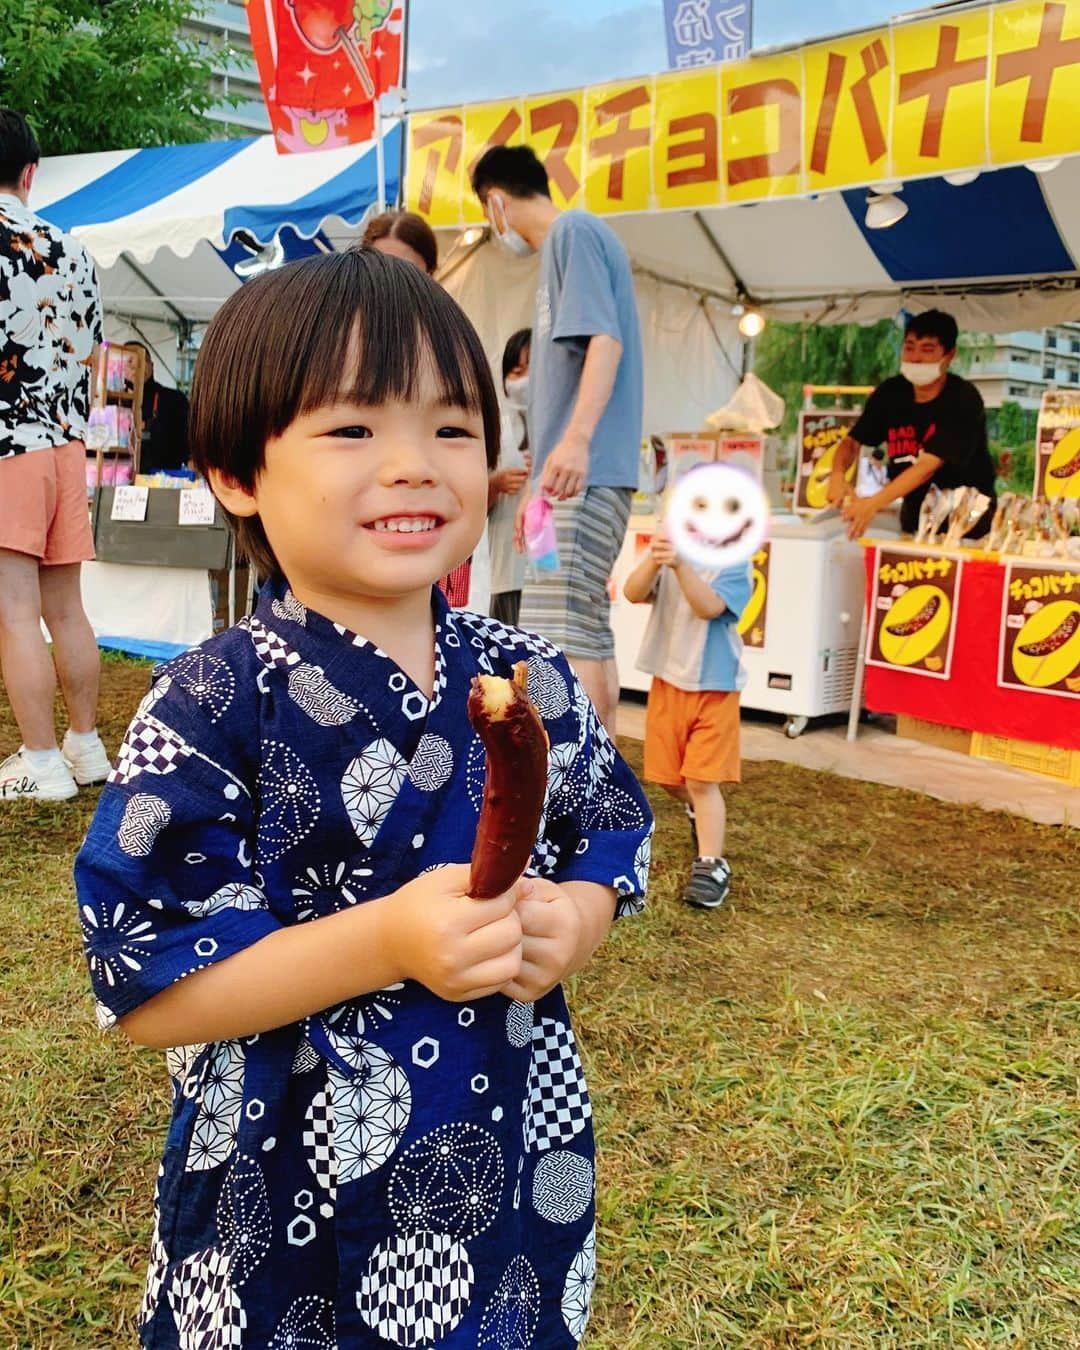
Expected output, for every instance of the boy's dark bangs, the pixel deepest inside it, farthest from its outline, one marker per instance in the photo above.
(377, 331)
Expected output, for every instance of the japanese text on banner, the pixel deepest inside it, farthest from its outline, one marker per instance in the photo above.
(970, 90)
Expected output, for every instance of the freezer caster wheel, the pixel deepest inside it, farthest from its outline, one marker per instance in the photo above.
(795, 726)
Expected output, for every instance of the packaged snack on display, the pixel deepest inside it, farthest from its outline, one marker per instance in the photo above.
(996, 537)
(968, 507)
(927, 511)
(1021, 524)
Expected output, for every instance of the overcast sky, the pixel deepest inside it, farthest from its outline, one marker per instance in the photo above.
(479, 49)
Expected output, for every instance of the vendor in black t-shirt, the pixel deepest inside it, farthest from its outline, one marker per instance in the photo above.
(165, 422)
(932, 425)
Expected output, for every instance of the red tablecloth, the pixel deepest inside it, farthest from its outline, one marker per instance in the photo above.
(971, 698)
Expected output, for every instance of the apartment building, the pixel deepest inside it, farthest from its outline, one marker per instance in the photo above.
(221, 27)
(1017, 367)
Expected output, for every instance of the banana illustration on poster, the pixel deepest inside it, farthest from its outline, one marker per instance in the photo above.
(753, 623)
(1057, 458)
(913, 622)
(820, 432)
(1039, 647)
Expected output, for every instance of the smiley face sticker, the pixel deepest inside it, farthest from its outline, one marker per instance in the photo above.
(717, 516)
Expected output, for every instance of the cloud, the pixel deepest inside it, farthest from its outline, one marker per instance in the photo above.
(491, 49)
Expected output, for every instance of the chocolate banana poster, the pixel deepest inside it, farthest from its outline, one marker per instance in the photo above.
(1039, 646)
(753, 625)
(1057, 463)
(913, 619)
(819, 435)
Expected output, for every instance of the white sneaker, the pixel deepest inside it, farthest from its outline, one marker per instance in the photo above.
(89, 766)
(17, 779)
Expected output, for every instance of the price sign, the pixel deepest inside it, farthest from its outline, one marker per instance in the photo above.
(196, 506)
(129, 503)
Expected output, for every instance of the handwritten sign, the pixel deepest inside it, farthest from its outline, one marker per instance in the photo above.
(970, 90)
(130, 503)
(196, 506)
(913, 619)
(1039, 644)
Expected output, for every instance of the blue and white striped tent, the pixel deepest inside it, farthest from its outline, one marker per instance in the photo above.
(1002, 251)
(165, 225)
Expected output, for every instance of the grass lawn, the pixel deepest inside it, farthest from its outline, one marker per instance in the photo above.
(844, 1113)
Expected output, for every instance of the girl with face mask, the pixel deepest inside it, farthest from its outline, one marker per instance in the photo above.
(507, 481)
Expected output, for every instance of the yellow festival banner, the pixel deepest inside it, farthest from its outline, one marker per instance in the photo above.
(971, 90)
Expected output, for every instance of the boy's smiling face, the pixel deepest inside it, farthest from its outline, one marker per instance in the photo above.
(371, 502)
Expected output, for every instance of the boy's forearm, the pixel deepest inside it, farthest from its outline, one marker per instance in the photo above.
(282, 978)
(699, 595)
(639, 584)
(596, 904)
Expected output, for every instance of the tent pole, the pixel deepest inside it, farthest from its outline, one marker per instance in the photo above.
(380, 159)
(404, 123)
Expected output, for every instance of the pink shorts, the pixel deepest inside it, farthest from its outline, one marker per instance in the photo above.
(43, 507)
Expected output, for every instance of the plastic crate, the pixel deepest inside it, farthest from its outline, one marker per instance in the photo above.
(1051, 761)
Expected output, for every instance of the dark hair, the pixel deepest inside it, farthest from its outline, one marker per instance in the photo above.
(515, 345)
(514, 169)
(278, 349)
(18, 146)
(410, 228)
(935, 323)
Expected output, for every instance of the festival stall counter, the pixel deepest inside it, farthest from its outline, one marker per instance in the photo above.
(982, 642)
(165, 576)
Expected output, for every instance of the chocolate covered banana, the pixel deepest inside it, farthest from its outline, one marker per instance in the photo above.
(515, 780)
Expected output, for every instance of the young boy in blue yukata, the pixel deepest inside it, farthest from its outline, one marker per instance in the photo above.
(380, 1131)
(692, 649)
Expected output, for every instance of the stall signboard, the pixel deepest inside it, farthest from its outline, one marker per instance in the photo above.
(753, 624)
(820, 432)
(1039, 646)
(744, 451)
(1057, 445)
(912, 622)
(964, 90)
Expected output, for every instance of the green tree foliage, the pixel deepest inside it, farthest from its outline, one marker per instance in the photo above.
(1011, 431)
(790, 355)
(104, 74)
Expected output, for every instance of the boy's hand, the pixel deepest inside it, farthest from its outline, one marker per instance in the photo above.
(457, 947)
(551, 933)
(663, 550)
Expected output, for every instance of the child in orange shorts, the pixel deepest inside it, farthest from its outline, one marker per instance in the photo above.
(692, 649)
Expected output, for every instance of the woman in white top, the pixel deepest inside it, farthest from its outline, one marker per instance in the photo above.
(507, 481)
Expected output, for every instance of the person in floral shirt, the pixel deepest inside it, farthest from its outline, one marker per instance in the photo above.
(50, 323)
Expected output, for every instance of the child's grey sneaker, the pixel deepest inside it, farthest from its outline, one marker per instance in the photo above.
(710, 881)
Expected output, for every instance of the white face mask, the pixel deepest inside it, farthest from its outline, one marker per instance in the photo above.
(517, 391)
(502, 231)
(920, 373)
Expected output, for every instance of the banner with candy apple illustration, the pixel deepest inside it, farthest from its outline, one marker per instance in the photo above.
(322, 64)
(913, 612)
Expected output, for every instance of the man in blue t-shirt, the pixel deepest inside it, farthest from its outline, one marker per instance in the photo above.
(585, 406)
